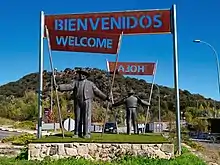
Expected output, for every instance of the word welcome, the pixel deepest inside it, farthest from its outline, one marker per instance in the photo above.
(108, 23)
(133, 68)
(84, 42)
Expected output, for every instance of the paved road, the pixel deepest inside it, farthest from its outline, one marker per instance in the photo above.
(4, 134)
(215, 146)
(208, 144)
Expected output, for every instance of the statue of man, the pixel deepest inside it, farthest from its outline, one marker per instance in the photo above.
(131, 103)
(83, 94)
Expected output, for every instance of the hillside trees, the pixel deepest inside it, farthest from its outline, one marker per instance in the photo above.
(18, 100)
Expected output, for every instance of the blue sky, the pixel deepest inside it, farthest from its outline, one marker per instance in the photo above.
(196, 19)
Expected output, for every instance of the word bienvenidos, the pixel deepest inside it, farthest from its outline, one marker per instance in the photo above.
(108, 23)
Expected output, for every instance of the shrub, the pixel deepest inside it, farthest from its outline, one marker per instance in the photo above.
(25, 125)
(19, 140)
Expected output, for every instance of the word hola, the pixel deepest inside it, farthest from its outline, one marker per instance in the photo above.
(131, 69)
(108, 23)
(84, 42)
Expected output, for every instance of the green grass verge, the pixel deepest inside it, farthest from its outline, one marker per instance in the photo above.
(185, 159)
(18, 124)
(19, 139)
(106, 138)
(29, 125)
(4, 121)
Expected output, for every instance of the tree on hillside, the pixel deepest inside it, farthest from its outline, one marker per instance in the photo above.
(20, 97)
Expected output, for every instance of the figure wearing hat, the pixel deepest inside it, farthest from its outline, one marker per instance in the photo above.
(131, 103)
(83, 94)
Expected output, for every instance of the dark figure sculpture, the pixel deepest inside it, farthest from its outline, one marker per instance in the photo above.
(83, 94)
(131, 103)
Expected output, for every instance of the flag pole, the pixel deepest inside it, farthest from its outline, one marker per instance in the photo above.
(54, 81)
(113, 79)
(151, 92)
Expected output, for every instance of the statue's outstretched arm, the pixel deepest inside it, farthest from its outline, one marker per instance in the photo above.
(66, 87)
(118, 103)
(143, 102)
(98, 92)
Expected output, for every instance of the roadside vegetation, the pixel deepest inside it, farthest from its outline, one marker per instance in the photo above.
(185, 159)
(22, 139)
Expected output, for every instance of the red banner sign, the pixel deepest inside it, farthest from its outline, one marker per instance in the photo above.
(130, 22)
(133, 68)
(84, 42)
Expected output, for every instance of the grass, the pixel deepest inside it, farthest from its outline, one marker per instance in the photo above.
(26, 138)
(29, 125)
(4, 121)
(19, 139)
(185, 159)
(106, 138)
(18, 124)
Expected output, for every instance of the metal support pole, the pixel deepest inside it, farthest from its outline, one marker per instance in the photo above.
(217, 62)
(216, 58)
(159, 112)
(176, 78)
(41, 68)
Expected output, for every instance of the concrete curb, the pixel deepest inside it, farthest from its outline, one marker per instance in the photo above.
(8, 129)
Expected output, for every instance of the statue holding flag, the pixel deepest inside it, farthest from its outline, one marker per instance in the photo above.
(131, 102)
(83, 94)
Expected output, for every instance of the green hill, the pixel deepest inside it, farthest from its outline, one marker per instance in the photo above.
(29, 83)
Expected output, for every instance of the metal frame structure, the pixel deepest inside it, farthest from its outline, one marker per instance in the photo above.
(175, 64)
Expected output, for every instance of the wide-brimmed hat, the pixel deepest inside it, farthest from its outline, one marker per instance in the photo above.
(131, 91)
(82, 71)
